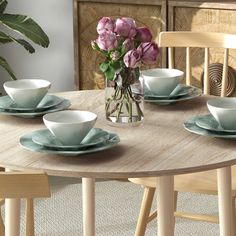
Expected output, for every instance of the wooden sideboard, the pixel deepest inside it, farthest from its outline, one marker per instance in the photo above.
(158, 15)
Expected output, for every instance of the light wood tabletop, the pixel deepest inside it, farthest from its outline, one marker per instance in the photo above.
(158, 147)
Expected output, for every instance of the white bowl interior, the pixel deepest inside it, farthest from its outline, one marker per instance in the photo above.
(223, 103)
(27, 84)
(70, 117)
(162, 73)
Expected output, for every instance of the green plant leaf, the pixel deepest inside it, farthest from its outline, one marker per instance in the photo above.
(4, 38)
(26, 26)
(110, 73)
(104, 66)
(116, 64)
(6, 66)
(25, 44)
(3, 5)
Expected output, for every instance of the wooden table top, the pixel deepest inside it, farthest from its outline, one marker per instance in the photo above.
(159, 146)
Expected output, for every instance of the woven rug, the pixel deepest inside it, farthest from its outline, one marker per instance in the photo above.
(117, 208)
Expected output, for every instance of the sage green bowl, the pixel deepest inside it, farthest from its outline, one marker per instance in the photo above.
(161, 81)
(224, 111)
(27, 93)
(70, 127)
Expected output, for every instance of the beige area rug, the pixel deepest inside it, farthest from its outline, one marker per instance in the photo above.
(117, 208)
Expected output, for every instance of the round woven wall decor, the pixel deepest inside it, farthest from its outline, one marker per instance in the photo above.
(215, 77)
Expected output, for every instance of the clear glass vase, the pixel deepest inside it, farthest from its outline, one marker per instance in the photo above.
(124, 98)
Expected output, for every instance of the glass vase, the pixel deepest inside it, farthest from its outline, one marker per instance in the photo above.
(124, 98)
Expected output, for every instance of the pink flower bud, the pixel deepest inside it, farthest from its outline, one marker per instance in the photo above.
(144, 34)
(132, 59)
(115, 55)
(94, 45)
(148, 52)
(105, 24)
(125, 27)
(128, 44)
(107, 41)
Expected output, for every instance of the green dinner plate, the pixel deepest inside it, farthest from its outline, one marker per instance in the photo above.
(210, 123)
(63, 105)
(191, 126)
(27, 143)
(45, 138)
(7, 104)
(195, 93)
(179, 91)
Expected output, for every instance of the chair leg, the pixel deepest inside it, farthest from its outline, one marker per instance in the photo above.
(29, 217)
(144, 211)
(233, 217)
(2, 227)
(175, 201)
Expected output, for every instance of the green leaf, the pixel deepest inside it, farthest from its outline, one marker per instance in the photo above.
(26, 45)
(6, 66)
(3, 5)
(137, 72)
(104, 66)
(110, 73)
(116, 64)
(26, 26)
(4, 38)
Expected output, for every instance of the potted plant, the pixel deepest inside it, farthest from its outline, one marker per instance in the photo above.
(24, 26)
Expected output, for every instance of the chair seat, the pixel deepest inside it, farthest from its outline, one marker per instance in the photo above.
(204, 182)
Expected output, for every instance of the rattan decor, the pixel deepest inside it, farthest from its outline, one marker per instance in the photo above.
(215, 76)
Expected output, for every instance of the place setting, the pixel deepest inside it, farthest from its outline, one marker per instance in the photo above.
(69, 133)
(220, 122)
(163, 86)
(29, 98)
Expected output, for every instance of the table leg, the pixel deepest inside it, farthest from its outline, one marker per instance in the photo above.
(225, 200)
(165, 205)
(12, 216)
(88, 189)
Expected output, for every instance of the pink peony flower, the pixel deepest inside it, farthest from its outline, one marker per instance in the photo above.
(105, 24)
(107, 41)
(148, 52)
(144, 34)
(132, 59)
(125, 27)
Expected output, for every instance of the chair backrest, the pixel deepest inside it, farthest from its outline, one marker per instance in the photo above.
(27, 185)
(188, 39)
(24, 185)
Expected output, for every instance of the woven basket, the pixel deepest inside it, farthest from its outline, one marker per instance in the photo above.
(215, 77)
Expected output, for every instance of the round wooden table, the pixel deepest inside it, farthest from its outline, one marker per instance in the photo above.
(159, 147)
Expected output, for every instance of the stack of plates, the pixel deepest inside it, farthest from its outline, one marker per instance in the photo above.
(208, 126)
(181, 93)
(43, 141)
(49, 103)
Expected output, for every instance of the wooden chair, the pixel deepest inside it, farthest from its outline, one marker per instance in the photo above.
(27, 185)
(203, 182)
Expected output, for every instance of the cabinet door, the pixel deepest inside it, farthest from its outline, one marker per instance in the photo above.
(208, 17)
(86, 16)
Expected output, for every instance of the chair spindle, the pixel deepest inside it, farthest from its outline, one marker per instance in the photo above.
(225, 73)
(188, 67)
(206, 86)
